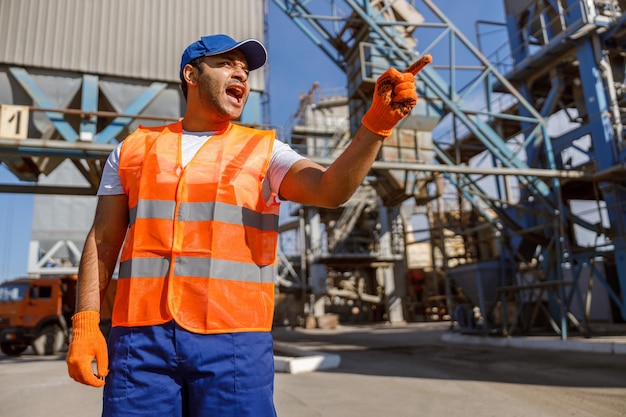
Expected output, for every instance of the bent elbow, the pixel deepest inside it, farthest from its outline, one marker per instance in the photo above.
(335, 203)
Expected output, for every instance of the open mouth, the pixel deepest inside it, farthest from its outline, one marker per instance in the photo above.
(236, 91)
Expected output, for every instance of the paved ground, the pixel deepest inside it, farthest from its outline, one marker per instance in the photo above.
(424, 370)
(414, 370)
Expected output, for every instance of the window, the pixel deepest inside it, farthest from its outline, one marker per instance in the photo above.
(13, 292)
(41, 292)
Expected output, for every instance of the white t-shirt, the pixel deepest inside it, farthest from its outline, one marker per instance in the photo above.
(283, 157)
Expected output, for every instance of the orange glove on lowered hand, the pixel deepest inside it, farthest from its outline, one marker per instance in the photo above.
(87, 344)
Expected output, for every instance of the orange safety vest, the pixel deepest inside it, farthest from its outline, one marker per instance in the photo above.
(201, 244)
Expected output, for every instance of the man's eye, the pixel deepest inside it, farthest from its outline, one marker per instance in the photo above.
(234, 64)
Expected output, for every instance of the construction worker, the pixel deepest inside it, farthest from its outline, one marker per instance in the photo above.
(194, 205)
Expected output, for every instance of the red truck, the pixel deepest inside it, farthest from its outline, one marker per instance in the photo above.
(37, 312)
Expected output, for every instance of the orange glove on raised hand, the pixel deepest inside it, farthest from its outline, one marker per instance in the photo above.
(394, 98)
(87, 343)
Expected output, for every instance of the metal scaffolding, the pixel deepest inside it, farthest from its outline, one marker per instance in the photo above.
(497, 204)
(516, 155)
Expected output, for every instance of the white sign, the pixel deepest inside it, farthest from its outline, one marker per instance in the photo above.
(13, 122)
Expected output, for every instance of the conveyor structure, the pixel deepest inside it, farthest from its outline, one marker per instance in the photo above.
(514, 157)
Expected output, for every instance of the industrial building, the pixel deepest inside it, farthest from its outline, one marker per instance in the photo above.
(497, 204)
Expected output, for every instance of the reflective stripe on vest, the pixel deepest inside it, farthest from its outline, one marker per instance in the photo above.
(197, 268)
(226, 213)
(201, 245)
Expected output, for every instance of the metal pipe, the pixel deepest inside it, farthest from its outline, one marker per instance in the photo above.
(92, 114)
(607, 74)
(458, 169)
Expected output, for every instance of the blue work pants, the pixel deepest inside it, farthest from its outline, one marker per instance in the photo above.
(165, 370)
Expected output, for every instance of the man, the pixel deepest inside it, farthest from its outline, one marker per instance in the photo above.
(194, 206)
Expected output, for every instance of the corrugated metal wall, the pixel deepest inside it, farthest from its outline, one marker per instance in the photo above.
(141, 39)
(128, 44)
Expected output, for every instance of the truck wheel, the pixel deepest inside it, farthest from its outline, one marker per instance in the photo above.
(50, 340)
(12, 349)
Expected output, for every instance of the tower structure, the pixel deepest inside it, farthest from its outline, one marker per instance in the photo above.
(529, 136)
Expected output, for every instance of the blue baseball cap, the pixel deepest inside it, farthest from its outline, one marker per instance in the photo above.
(254, 51)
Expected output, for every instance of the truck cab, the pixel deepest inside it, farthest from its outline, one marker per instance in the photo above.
(36, 312)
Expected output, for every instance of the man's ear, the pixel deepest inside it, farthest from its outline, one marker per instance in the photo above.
(189, 73)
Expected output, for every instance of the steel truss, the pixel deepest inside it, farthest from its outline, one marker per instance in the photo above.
(491, 118)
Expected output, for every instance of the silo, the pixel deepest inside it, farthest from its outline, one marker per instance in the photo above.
(89, 73)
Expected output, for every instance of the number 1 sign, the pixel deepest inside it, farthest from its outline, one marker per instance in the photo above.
(13, 122)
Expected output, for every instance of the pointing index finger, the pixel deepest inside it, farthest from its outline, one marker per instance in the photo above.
(415, 67)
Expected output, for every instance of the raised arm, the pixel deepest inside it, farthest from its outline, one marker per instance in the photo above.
(311, 184)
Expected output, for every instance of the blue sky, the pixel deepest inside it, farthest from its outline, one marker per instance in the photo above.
(295, 63)
(15, 221)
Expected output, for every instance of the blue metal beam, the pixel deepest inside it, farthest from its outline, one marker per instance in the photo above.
(41, 100)
(493, 142)
(89, 103)
(136, 107)
(299, 14)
